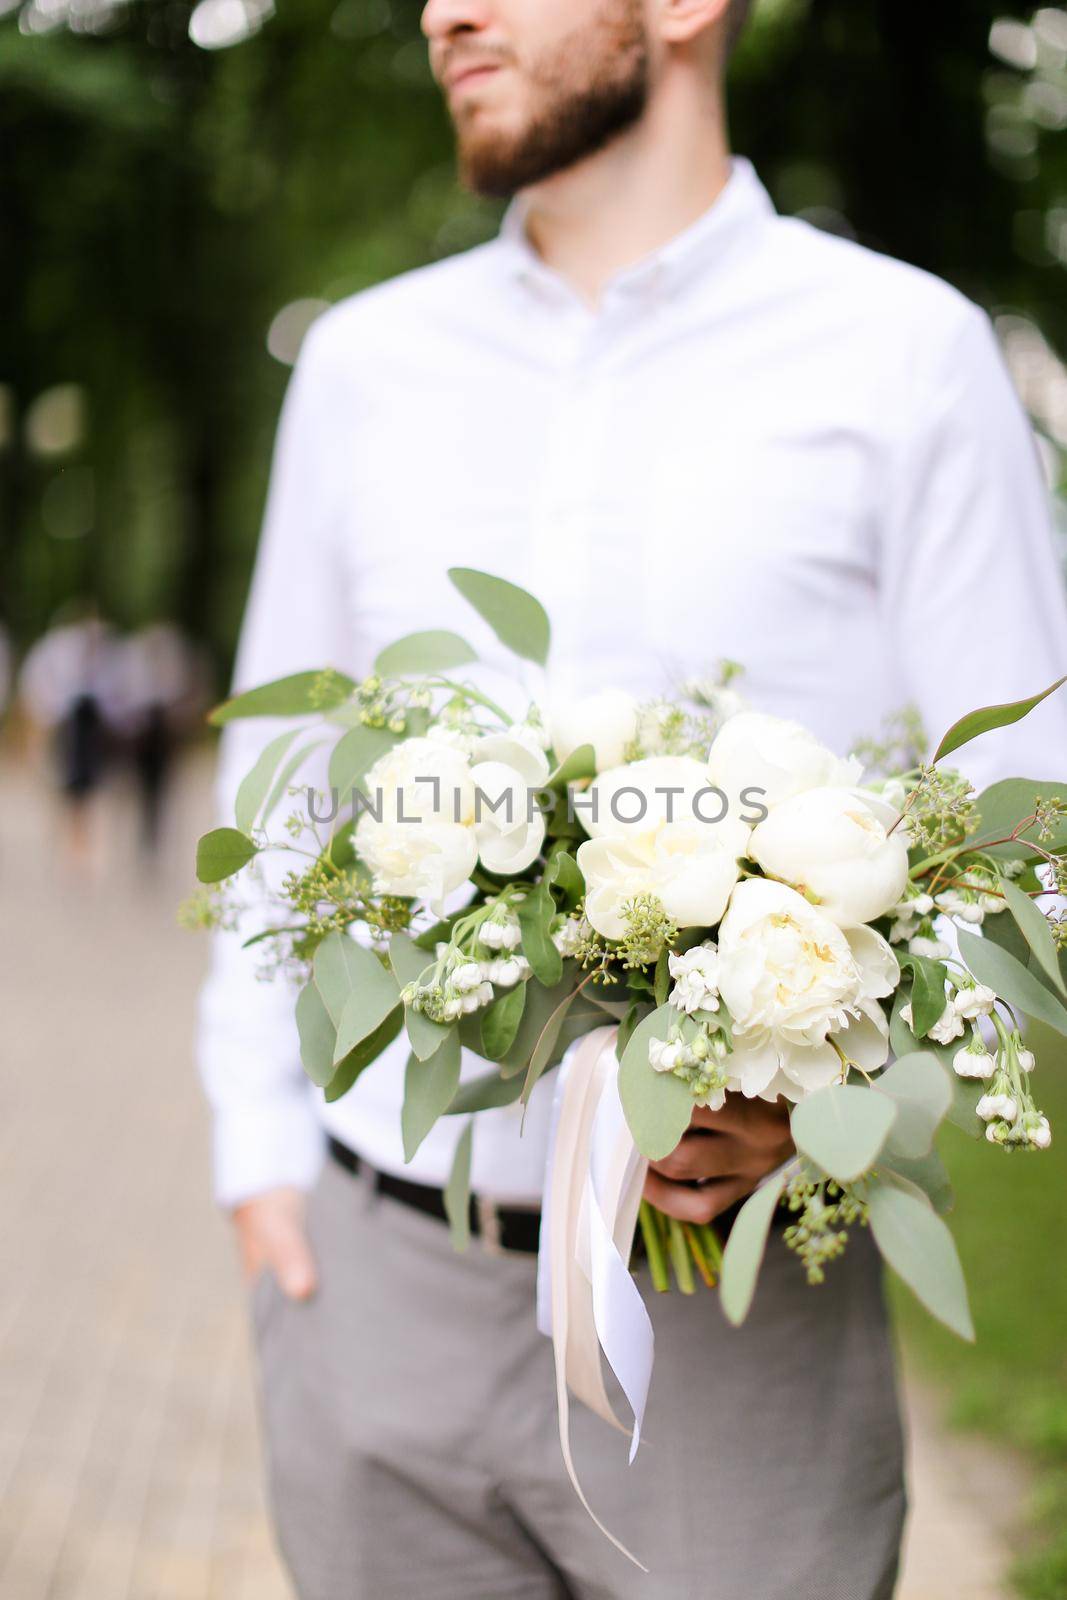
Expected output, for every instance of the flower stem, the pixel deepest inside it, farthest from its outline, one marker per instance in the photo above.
(681, 1260)
(696, 1248)
(712, 1248)
(657, 1259)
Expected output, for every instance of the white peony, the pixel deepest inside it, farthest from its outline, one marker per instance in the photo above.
(776, 757)
(508, 827)
(607, 721)
(791, 978)
(688, 866)
(645, 794)
(836, 845)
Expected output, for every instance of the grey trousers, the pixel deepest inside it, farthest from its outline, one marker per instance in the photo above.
(411, 1431)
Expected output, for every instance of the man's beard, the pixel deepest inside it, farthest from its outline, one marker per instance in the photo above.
(593, 88)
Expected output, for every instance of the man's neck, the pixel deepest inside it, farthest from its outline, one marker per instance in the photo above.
(645, 188)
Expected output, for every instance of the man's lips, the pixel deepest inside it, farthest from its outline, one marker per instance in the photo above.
(466, 76)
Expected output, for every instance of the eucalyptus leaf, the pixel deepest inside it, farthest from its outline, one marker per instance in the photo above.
(989, 717)
(500, 1022)
(658, 1106)
(429, 1088)
(563, 873)
(1012, 981)
(317, 1035)
(1007, 804)
(920, 1089)
(353, 756)
(457, 1195)
(519, 621)
(546, 1044)
(409, 963)
(285, 778)
(420, 654)
(486, 1093)
(919, 1247)
(255, 785)
(927, 1173)
(366, 1052)
(1033, 925)
(221, 853)
(298, 695)
(365, 1010)
(843, 1129)
(745, 1248)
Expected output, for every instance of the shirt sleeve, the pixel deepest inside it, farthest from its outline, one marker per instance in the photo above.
(266, 1129)
(972, 589)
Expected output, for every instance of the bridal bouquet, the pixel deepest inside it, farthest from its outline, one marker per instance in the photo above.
(730, 898)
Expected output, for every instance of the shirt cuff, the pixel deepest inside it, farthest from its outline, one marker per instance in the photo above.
(267, 1144)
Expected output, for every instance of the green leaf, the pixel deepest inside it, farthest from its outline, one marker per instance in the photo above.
(1001, 809)
(918, 1246)
(990, 717)
(457, 1195)
(367, 1051)
(357, 990)
(353, 756)
(420, 654)
(927, 990)
(500, 1022)
(659, 1107)
(487, 1093)
(221, 853)
(1012, 981)
(579, 765)
(536, 913)
(256, 784)
(365, 1010)
(317, 1035)
(409, 963)
(295, 696)
(429, 1088)
(662, 980)
(1004, 931)
(540, 1004)
(563, 873)
(927, 1173)
(1033, 925)
(519, 621)
(920, 1089)
(285, 777)
(843, 1129)
(546, 1044)
(745, 1247)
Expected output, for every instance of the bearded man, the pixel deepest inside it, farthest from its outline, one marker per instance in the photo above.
(695, 430)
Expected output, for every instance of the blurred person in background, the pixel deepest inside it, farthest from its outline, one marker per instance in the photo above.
(161, 688)
(69, 688)
(695, 430)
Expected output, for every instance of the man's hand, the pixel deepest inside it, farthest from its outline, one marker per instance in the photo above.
(726, 1152)
(271, 1237)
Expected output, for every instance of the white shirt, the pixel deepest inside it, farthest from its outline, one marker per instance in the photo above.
(767, 444)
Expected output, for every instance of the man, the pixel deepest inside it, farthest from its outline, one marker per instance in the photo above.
(695, 430)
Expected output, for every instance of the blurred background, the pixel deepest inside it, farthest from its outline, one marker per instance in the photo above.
(184, 188)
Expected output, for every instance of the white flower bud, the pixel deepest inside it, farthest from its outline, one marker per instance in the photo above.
(491, 935)
(466, 978)
(922, 905)
(936, 949)
(506, 974)
(1041, 1136)
(997, 1108)
(452, 1009)
(974, 1001)
(974, 1061)
(1026, 1059)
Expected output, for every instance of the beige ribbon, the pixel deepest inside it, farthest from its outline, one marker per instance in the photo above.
(592, 1197)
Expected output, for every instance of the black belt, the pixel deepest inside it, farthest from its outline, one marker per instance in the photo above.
(501, 1227)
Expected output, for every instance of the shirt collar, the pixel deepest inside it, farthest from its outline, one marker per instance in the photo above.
(737, 210)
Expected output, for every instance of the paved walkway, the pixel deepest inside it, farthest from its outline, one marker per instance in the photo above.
(128, 1456)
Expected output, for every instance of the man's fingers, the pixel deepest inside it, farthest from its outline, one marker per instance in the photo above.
(294, 1268)
(703, 1155)
(270, 1229)
(695, 1205)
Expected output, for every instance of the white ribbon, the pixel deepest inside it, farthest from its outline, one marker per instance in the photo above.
(587, 1301)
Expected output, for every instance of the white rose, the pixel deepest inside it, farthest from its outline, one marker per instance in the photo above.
(836, 844)
(509, 828)
(418, 837)
(775, 756)
(607, 721)
(791, 978)
(688, 866)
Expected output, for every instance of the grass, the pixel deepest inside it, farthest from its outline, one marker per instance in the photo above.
(1010, 1223)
